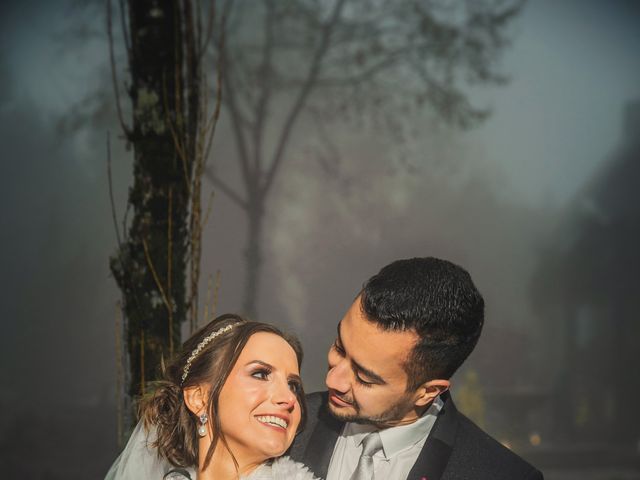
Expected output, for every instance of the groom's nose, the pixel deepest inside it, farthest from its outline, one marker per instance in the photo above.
(338, 377)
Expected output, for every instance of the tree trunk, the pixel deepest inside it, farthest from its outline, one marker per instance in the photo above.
(149, 265)
(253, 257)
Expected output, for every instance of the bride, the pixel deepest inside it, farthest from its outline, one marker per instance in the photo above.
(229, 406)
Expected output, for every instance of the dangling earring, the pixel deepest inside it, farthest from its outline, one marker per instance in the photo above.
(202, 430)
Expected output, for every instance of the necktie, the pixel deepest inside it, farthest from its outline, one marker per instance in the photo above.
(371, 444)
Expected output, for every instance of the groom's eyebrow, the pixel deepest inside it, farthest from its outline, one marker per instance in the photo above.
(359, 368)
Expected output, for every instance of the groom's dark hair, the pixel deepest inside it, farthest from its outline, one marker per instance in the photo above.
(438, 301)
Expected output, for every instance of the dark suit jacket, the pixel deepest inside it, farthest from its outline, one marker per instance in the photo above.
(456, 448)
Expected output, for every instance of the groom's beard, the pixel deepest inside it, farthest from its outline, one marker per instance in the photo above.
(388, 417)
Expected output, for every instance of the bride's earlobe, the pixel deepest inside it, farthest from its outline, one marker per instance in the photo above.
(195, 399)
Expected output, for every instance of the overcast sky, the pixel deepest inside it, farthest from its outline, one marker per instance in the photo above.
(573, 66)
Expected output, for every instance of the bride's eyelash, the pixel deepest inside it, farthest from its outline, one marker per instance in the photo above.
(261, 373)
(295, 386)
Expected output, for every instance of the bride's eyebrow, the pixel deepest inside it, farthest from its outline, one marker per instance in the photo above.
(291, 376)
(260, 362)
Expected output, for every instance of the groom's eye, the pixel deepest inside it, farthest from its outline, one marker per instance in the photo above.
(362, 382)
(338, 348)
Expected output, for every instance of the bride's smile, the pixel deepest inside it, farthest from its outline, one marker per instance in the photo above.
(274, 421)
(258, 406)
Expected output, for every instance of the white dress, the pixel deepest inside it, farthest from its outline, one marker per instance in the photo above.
(140, 461)
(282, 468)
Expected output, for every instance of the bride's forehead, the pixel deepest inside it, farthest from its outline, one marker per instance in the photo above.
(271, 348)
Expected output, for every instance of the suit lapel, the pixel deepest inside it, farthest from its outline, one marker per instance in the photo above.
(435, 454)
(319, 450)
(431, 462)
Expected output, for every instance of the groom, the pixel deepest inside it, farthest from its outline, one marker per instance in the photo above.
(387, 412)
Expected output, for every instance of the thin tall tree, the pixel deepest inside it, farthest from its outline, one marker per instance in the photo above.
(285, 61)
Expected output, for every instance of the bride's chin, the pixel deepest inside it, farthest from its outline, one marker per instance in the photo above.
(271, 450)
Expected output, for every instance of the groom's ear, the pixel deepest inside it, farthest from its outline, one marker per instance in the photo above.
(428, 391)
(195, 398)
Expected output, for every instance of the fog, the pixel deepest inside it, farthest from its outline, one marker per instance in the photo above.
(506, 200)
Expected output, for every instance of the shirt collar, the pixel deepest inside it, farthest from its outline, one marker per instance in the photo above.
(396, 439)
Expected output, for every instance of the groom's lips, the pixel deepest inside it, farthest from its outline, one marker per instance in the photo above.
(337, 400)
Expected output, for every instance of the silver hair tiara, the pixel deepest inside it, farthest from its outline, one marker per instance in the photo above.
(205, 341)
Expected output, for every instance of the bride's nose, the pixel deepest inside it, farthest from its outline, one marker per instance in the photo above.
(283, 396)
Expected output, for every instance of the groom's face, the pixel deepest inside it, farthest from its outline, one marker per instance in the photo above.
(366, 378)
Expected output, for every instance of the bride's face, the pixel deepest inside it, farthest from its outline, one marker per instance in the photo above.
(258, 407)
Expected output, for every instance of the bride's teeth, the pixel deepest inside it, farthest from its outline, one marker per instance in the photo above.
(273, 420)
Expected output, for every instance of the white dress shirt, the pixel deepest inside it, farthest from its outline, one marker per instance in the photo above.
(400, 447)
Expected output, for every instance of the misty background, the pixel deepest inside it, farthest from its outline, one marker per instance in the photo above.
(539, 203)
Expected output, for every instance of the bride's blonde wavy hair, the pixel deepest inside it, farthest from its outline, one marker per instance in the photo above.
(164, 408)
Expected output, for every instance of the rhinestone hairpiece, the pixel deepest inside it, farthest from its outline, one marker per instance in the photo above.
(205, 341)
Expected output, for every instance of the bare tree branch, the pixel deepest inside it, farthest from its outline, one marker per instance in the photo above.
(181, 148)
(235, 120)
(302, 96)
(266, 70)
(114, 74)
(169, 267)
(125, 32)
(211, 20)
(209, 208)
(163, 294)
(224, 188)
(213, 121)
(111, 200)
